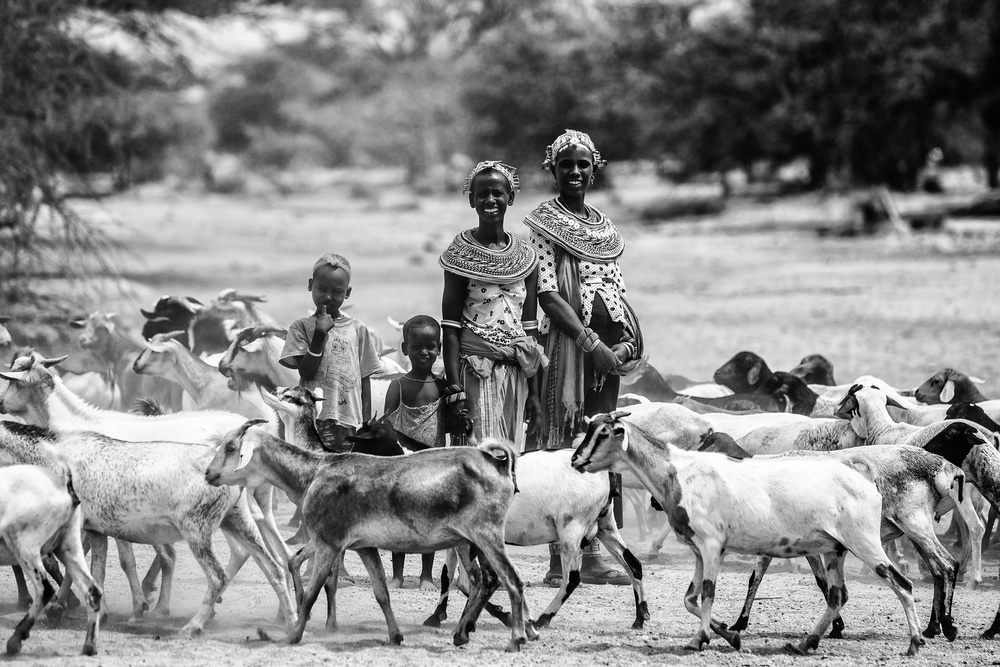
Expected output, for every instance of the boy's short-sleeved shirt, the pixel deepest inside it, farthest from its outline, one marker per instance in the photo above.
(348, 357)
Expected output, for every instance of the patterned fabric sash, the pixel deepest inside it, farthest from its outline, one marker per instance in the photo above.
(597, 241)
(468, 258)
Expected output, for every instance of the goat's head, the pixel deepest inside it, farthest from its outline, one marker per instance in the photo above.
(603, 443)
(973, 413)
(171, 313)
(792, 389)
(377, 437)
(814, 369)
(294, 405)
(29, 384)
(941, 387)
(743, 373)
(247, 361)
(722, 443)
(863, 400)
(235, 451)
(956, 440)
(161, 354)
(97, 329)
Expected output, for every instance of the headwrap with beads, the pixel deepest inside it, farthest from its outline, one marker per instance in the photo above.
(505, 170)
(572, 138)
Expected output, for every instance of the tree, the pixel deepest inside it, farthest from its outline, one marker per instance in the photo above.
(863, 90)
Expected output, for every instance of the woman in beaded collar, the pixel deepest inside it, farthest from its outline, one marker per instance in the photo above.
(591, 334)
(488, 310)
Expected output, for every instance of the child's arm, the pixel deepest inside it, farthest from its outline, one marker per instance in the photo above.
(366, 398)
(392, 398)
(530, 311)
(309, 363)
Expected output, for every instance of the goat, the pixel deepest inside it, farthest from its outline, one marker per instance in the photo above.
(171, 313)
(743, 373)
(432, 500)
(814, 369)
(866, 410)
(40, 514)
(914, 483)
(166, 357)
(34, 394)
(153, 493)
(795, 506)
(925, 415)
(252, 358)
(554, 503)
(949, 386)
(976, 415)
(102, 335)
(215, 326)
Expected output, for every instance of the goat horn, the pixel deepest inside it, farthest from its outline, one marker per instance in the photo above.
(243, 428)
(618, 414)
(269, 330)
(173, 335)
(48, 363)
(14, 376)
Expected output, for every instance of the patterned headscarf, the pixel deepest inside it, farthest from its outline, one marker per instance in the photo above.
(504, 170)
(334, 261)
(572, 138)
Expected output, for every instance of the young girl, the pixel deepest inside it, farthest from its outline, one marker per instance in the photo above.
(414, 405)
(488, 305)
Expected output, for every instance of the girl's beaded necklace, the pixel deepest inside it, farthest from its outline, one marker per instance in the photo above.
(406, 377)
(586, 219)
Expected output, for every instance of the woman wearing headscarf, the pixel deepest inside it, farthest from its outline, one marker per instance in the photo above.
(591, 333)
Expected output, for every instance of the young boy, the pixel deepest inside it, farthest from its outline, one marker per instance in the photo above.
(415, 407)
(335, 352)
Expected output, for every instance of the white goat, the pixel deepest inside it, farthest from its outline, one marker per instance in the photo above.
(117, 348)
(914, 484)
(40, 514)
(36, 395)
(432, 500)
(796, 506)
(166, 357)
(153, 493)
(554, 503)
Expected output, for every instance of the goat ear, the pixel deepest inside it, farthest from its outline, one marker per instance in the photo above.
(246, 453)
(624, 439)
(14, 376)
(395, 324)
(948, 392)
(754, 374)
(891, 402)
(78, 324)
(974, 380)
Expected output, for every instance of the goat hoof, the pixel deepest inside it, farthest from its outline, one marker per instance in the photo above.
(931, 632)
(531, 632)
(915, 643)
(541, 622)
(740, 624)
(14, 645)
(639, 623)
(698, 643)
(836, 633)
(514, 646)
(433, 621)
(734, 639)
(460, 639)
(950, 632)
(396, 639)
(89, 649)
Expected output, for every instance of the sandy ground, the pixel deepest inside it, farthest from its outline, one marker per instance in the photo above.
(754, 278)
(593, 627)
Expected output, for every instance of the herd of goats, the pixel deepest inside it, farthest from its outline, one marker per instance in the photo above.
(192, 429)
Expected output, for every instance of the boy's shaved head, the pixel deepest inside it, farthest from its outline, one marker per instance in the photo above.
(418, 322)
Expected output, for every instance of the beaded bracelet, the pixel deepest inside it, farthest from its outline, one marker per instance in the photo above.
(454, 398)
(588, 340)
(528, 325)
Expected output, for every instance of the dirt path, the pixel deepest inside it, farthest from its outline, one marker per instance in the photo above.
(594, 627)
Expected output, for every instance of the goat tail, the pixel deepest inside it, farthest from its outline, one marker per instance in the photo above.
(505, 454)
(69, 487)
(958, 477)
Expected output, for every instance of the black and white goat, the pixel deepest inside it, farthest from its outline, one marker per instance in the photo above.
(796, 506)
(949, 386)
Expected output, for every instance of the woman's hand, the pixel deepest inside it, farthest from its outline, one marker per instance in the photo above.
(621, 351)
(605, 360)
